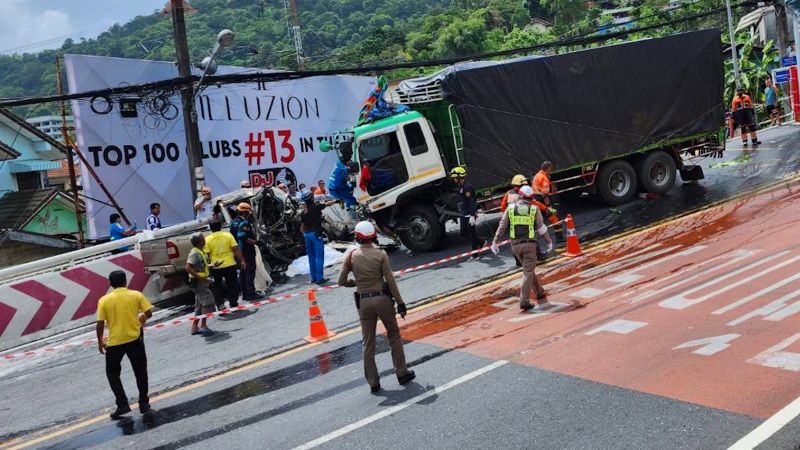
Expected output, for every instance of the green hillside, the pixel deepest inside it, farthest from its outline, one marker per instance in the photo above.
(336, 33)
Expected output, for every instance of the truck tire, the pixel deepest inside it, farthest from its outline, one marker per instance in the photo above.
(657, 172)
(420, 230)
(616, 182)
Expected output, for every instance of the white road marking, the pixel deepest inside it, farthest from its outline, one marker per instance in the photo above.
(771, 426)
(751, 297)
(774, 310)
(587, 293)
(538, 312)
(779, 359)
(619, 326)
(397, 408)
(709, 346)
(681, 302)
(626, 278)
(737, 256)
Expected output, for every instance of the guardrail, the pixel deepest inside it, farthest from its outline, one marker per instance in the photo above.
(87, 254)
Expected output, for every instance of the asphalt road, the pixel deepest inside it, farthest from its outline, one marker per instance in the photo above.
(65, 387)
(608, 366)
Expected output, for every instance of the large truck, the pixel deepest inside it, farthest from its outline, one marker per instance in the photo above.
(613, 120)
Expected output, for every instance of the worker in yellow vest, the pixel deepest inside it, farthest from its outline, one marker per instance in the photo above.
(523, 222)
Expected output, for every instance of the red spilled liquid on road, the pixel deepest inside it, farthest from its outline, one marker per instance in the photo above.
(701, 310)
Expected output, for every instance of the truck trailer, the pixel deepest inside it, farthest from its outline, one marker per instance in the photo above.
(613, 120)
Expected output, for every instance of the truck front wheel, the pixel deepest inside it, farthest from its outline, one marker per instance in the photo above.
(420, 230)
(616, 182)
(657, 172)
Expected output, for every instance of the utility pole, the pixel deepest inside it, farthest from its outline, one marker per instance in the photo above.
(73, 180)
(734, 47)
(298, 42)
(194, 152)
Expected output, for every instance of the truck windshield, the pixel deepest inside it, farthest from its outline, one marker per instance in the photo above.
(384, 159)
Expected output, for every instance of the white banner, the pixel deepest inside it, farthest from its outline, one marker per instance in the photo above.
(265, 132)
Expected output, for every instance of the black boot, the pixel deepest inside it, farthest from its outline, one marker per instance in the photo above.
(410, 375)
(119, 412)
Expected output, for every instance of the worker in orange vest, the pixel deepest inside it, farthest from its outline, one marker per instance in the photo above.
(744, 115)
(542, 189)
(512, 196)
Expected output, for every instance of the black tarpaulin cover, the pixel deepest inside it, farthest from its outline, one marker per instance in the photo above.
(586, 106)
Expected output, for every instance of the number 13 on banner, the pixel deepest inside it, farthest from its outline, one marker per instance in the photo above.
(286, 147)
(254, 147)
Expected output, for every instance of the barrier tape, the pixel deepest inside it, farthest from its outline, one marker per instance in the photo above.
(251, 305)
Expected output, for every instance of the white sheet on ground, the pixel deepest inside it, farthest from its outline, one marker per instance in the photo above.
(300, 265)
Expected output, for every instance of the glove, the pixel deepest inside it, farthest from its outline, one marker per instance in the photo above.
(495, 248)
(472, 221)
(401, 309)
(552, 210)
(549, 246)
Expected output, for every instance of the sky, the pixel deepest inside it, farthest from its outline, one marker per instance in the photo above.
(34, 25)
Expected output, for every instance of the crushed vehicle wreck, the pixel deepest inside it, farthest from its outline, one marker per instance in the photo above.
(276, 216)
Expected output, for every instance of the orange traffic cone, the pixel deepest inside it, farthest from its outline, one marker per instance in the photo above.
(573, 246)
(319, 331)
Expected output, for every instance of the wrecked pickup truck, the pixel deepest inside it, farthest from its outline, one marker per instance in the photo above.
(277, 223)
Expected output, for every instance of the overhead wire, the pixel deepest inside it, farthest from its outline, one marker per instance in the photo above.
(184, 82)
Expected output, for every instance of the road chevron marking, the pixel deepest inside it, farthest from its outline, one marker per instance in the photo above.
(397, 408)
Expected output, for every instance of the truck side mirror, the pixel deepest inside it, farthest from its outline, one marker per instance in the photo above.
(352, 167)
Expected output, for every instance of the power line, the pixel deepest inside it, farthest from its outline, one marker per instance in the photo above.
(188, 81)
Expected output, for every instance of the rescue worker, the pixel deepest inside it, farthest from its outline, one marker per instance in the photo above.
(542, 190)
(125, 311)
(223, 252)
(512, 196)
(468, 207)
(744, 116)
(376, 291)
(523, 222)
(242, 229)
(197, 267)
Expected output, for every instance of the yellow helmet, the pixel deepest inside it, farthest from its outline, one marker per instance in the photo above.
(518, 180)
(458, 172)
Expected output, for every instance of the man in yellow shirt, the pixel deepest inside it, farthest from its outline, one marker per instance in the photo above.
(223, 251)
(125, 311)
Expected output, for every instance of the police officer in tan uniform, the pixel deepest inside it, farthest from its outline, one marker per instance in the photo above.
(523, 221)
(375, 289)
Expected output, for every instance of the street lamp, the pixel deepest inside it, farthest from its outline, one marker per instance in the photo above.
(209, 64)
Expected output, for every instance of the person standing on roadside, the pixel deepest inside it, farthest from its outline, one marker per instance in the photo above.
(542, 190)
(153, 222)
(311, 227)
(197, 268)
(242, 228)
(117, 231)
(512, 196)
(376, 289)
(468, 207)
(223, 252)
(745, 117)
(771, 101)
(125, 311)
(523, 222)
(203, 208)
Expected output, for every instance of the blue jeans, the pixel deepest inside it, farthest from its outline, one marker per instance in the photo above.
(315, 249)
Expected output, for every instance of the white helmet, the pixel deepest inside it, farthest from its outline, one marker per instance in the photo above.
(365, 230)
(526, 191)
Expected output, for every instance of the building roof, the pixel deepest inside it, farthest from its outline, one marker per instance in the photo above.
(18, 208)
(26, 237)
(63, 170)
(29, 130)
